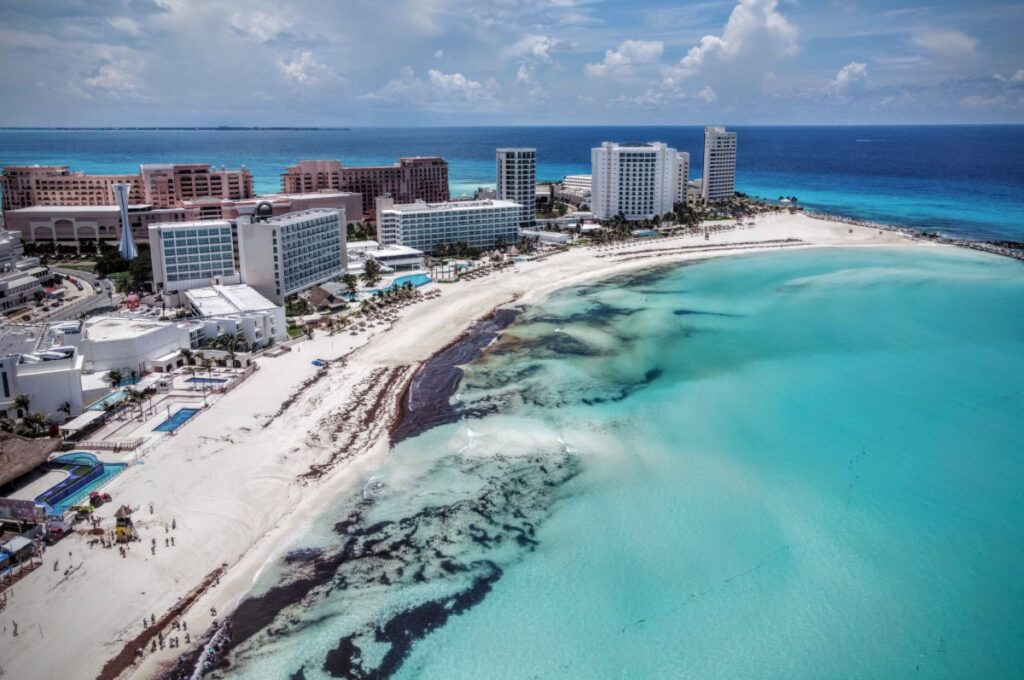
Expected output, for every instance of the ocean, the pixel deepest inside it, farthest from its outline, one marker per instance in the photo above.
(962, 181)
(798, 465)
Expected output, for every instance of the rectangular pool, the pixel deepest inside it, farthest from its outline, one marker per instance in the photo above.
(179, 418)
(214, 381)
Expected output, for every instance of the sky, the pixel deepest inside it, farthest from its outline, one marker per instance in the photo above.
(509, 62)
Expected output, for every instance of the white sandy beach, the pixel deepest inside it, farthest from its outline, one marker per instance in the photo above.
(233, 486)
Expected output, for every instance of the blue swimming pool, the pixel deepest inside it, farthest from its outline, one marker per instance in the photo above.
(209, 381)
(80, 482)
(416, 280)
(112, 398)
(179, 418)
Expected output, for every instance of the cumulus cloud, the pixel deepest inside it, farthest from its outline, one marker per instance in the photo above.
(707, 95)
(537, 47)
(630, 53)
(439, 54)
(847, 78)
(439, 91)
(755, 36)
(946, 42)
(303, 68)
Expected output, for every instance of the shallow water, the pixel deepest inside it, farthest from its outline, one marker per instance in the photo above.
(798, 465)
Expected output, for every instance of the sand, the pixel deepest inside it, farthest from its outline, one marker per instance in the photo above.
(236, 480)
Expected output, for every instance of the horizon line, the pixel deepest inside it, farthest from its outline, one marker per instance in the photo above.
(280, 128)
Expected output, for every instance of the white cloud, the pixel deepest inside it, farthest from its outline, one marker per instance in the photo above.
(523, 75)
(303, 68)
(707, 95)
(848, 77)
(260, 26)
(439, 54)
(438, 92)
(755, 34)
(1018, 77)
(946, 42)
(630, 53)
(531, 46)
(125, 25)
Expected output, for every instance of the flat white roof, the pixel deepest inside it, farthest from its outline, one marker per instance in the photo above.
(361, 245)
(166, 226)
(302, 215)
(421, 206)
(384, 252)
(226, 300)
(118, 328)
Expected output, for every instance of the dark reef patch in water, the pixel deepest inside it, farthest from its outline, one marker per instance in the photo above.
(649, 377)
(697, 312)
(459, 547)
(427, 401)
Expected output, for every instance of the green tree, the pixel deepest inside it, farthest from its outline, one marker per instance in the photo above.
(21, 403)
(371, 272)
(114, 377)
(351, 282)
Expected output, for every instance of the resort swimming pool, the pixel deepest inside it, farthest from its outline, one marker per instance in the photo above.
(179, 418)
(416, 280)
(213, 381)
(79, 483)
(112, 398)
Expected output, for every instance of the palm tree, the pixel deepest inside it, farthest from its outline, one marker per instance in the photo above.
(21, 403)
(114, 377)
(135, 398)
(371, 272)
(351, 282)
(65, 408)
(134, 375)
(186, 354)
(34, 423)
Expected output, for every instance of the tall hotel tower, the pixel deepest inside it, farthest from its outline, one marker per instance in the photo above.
(517, 182)
(637, 180)
(719, 183)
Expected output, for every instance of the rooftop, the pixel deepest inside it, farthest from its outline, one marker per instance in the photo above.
(103, 328)
(293, 217)
(422, 206)
(225, 300)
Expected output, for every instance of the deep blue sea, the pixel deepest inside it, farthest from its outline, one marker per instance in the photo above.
(959, 180)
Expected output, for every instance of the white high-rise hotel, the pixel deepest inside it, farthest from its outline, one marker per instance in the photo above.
(719, 183)
(638, 180)
(517, 182)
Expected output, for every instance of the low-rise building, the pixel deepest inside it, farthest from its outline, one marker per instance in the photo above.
(428, 226)
(391, 257)
(51, 379)
(236, 310)
(127, 343)
(283, 256)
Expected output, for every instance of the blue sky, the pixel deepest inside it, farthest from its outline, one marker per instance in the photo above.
(473, 62)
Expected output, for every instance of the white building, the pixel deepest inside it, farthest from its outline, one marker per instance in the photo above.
(127, 344)
(637, 180)
(51, 379)
(11, 249)
(682, 176)
(719, 181)
(425, 226)
(516, 181)
(283, 256)
(190, 255)
(391, 257)
(236, 310)
(580, 183)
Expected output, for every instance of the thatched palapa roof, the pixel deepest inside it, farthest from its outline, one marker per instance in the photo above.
(19, 455)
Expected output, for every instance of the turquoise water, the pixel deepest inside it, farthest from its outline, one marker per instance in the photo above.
(179, 418)
(112, 398)
(769, 466)
(416, 280)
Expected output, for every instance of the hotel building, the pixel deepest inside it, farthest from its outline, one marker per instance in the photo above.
(425, 226)
(421, 178)
(719, 181)
(190, 255)
(637, 180)
(285, 255)
(517, 182)
(682, 176)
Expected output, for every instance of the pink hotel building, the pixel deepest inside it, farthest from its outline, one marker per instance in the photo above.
(52, 203)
